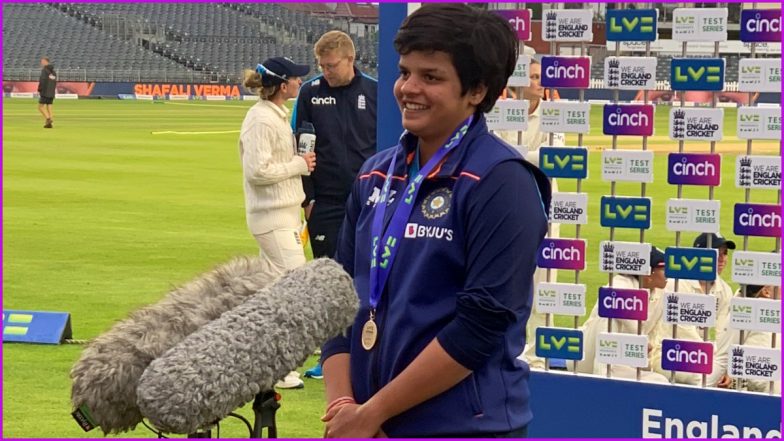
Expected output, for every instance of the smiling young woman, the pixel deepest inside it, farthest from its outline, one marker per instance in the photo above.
(440, 235)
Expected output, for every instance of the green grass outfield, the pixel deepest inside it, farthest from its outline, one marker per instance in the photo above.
(101, 217)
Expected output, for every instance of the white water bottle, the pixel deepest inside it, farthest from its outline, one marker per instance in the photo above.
(306, 138)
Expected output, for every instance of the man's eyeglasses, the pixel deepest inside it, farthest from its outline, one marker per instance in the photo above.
(330, 67)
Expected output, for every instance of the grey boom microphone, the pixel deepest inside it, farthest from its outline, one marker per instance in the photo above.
(227, 362)
(106, 375)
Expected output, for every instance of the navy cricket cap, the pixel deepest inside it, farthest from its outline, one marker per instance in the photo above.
(276, 70)
(717, 241)
(657, 258)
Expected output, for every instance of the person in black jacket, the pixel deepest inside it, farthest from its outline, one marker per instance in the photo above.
(47, 85)
(341, 106)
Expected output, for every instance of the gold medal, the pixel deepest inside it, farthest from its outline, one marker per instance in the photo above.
(369, 334)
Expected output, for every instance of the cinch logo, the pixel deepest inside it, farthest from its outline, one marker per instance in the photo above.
(697, 74)
(520, 20)
(559, 343)
(631, 25)
(628, 119)
(416, 231)
(687, 356)
(573, 72)
(627, 304)
(690, 263)
(564, 162)
(323, 101)
(757, 220)
(621, 212)
(561, 254)
(760, 25)
(694, 169)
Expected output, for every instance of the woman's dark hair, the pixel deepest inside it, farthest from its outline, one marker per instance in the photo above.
(482, 45)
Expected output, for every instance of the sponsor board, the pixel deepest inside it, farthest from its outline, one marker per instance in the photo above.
(625, 257)
(565, 117)
(690, 309)
(757, 220)
(699, 24)
(690, 263)
(697, 215)
(631, 24)
(687, 356)
(694, 169)
(762, 172)
(759, 123)
(625, 349)
(750, 314)
(560, 298)
(696, 124)
(567, 25)
(754, 363)
(568, 254)
(569, 208)
(755, 268)
(759, 75)
(508, 115)
(630, 73)
(627, 165)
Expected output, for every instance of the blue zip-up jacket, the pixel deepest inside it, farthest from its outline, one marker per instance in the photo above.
(463, 275)
(344, 119)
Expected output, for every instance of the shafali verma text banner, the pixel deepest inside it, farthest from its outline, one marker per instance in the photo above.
(186, 89)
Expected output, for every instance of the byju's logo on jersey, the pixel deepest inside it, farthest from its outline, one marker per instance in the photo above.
(416, 231)
(323, 101)
(631, 24)
(760, 25)
(694, 169)
(690, 263)
(687, 356)
(564, 162)
(628, 119)
(757, 220)
(361, 105)
(566, 72)
(566, 254)
(697, 74)
(559, 343)
(624, 212)
(627, 304)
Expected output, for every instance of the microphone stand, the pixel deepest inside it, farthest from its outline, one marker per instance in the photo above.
(264, 407)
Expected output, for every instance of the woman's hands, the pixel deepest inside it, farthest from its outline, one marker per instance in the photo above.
(310, 160)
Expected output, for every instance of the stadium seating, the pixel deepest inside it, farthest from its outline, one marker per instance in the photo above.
(77, 49)
(162, 41)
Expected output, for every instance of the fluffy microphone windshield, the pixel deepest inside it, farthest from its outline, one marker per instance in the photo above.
(227, 362)
(107, 374)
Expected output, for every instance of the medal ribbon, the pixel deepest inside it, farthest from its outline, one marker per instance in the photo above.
(384, 243)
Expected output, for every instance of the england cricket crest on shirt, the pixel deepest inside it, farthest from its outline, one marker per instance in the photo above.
(437, 203)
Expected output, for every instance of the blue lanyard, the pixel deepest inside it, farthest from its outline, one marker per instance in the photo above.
(384, 243)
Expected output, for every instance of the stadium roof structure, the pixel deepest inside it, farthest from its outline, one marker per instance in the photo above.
(359, 12)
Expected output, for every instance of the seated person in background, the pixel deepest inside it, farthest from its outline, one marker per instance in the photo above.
(718, 288)
(719, 377)
(654, 283)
